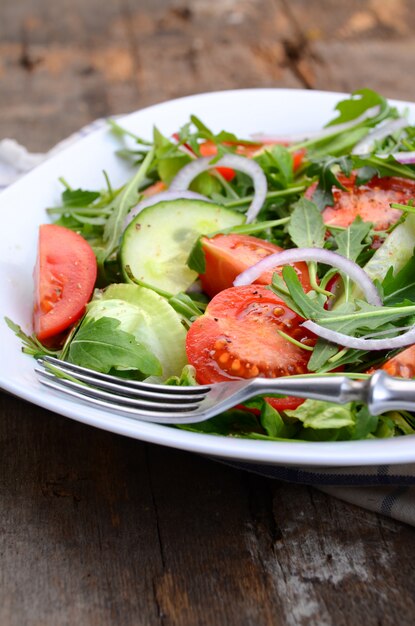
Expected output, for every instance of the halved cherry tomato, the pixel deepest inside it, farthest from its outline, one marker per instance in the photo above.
(249, 150)
(154, 189)
(65, 275)
(370, 201)
(238, 338)
(228, 255)
(208, 148)
(401, 365)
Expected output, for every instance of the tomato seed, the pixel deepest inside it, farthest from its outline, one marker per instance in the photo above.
(236, 365)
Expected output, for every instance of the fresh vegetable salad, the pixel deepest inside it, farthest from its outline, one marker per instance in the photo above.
(226, 258)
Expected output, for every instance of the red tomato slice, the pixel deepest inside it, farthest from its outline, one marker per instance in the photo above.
(208, 148)
(65, 275)
(154, 189)
(401, 365)
(298, 157)
(370, 201)
(229, 255)
(249, 150)
(237, 338)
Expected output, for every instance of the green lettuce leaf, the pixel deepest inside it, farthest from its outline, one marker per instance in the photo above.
(102, 345)
(321, 415)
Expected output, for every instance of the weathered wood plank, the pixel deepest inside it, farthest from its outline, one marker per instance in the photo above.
(66, 66)
(79, 538)
(98, 528)
(347, 46)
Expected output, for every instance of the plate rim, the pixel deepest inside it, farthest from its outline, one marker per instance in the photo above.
(394, 451)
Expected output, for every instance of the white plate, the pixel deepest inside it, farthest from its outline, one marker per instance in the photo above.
(22, 209)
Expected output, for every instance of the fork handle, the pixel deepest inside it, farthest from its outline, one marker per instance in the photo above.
(388, 394)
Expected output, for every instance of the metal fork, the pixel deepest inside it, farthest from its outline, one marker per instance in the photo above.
(167, 404)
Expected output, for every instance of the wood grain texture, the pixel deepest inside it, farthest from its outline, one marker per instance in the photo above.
(97, 529)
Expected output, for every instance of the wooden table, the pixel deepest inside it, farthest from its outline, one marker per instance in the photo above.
(98, 529)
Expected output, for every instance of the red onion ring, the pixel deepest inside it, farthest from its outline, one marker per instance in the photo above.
(240, 163)
(365, 145)
(319, 134)
(356, 273)
(360, 343)
(163, 196)
(406, 158)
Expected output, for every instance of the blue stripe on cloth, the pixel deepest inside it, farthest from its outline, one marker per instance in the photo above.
(310, 477)
(391, 499)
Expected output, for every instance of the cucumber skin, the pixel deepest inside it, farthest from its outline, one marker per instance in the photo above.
(156, 244)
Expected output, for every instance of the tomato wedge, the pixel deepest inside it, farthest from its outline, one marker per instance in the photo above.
(208, 148)
(401, 365)
(227, 256)
(65, 276)
(369, 201)
(154, 189)
(249, 150)
(238, 338)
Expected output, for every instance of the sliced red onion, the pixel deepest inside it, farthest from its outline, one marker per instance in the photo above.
(240, 163)
(366, 145)
(360, 343)
(406, 158)
(163, 196)
(356, 273)
(319, 134)
(388, 331)
(186, 150)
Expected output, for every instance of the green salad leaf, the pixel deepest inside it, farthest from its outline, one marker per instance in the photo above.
(306, 227)
(321, 415)
(102, 345)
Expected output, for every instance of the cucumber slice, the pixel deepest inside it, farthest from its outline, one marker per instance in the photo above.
(148, 317)
(158, 241)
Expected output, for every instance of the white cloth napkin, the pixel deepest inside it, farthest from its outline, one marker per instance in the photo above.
(385, 489)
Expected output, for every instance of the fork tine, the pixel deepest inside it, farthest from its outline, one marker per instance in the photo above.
(77, 371)
(135, 401)
(144, 415)
(117, 386)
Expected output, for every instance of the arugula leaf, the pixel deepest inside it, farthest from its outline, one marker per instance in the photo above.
(366, 423)
(311, 308)
(338, 144)
(221, 137)
(277, 164)
(323, 351)
(235, 423)
(101, 345)
(400, 287)
(306, 228)
(350, 243)
(273, 424)
(359, 102)
(79, 197)
(120, 131)
(347, 318)
(364, 317)
(365, 174)
(384, 166)
(279, 287)
(123, 202)
(196, 260)
(31, 345)
(323, 168)
(348, 356)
